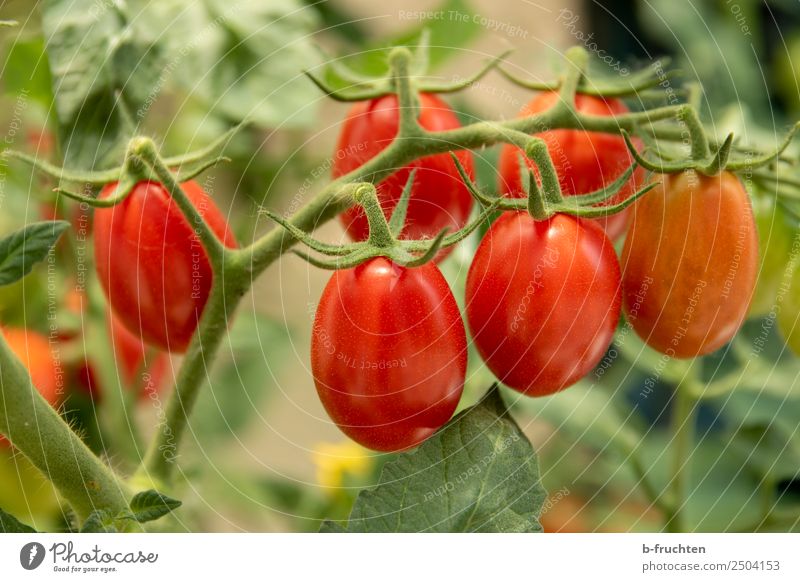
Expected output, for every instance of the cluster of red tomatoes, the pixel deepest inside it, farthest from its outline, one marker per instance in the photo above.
(543, 298)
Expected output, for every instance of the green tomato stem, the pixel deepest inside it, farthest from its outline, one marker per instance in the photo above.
(36, 429)
(682, 431)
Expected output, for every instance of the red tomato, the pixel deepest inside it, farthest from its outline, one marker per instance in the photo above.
(389, 353)
(439, 197)
(33, 349)
(690, 263)
(584, 160)
(151, 264)
(543, 300)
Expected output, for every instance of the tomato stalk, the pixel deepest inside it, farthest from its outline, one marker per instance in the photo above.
(37, 430)
(684, 407)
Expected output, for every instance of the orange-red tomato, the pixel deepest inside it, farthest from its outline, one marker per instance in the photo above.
(690, 263)
(584, 160)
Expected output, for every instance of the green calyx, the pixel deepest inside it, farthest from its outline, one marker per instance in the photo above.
(639, 84)
(383, 240)
(542, 202)
(141, 159)
(408, 68)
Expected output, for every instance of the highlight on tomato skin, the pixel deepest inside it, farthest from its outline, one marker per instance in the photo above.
(388, 353)
(585, 161)
(34, 351)
(690, 263)
(543, 300)
(152, 267)
(439, 198)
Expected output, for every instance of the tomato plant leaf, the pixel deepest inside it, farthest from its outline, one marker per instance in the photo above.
(478, 474)
(10, 524)
(22, 249)
(99, 64)
(243, 58)
(151, 505)
(100, 521)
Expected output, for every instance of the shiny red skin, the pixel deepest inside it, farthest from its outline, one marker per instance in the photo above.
(33, 350)
(543, 300)
(389, 353)
(439, 197)
(584, 160)
(153, 269)
(690, 263)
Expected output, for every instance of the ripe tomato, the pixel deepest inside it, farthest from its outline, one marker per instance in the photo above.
(789, 315)
(151, 264)
(439, 197)
(775, 241)
(584, 160)
(690, 263)
(388, 353)
(543, 300)
(33, 349)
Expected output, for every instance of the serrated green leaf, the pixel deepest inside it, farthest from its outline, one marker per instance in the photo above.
(22, 249)
(99, 62)
(478, 474)
(10, 524)
(100, 521)
(151, 505)
(247, 64)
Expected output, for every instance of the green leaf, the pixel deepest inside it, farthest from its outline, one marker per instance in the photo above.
(145, 506)
(10, 524)
(100, 521)
(478, 474)
(243, 59)
(26, 71)
(151, 505)
(99, 64)
(22, 249)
